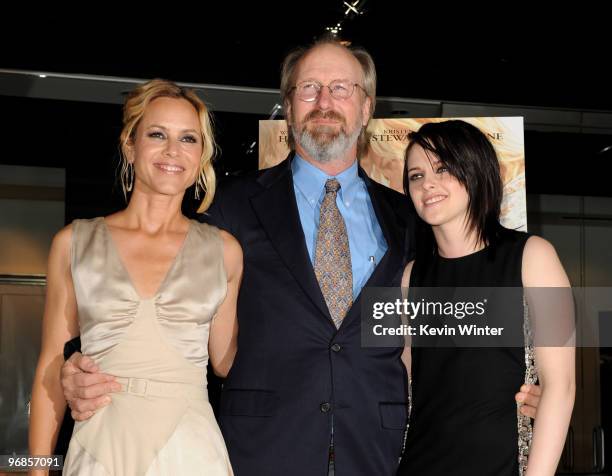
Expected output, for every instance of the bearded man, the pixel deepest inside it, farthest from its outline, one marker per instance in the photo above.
(303, 397)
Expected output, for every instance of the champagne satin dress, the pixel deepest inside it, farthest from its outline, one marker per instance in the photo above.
(161, 423)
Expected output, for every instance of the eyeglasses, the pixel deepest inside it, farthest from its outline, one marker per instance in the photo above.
(309, 91)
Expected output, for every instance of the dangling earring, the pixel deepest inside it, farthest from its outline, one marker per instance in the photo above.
(199, 183)
(129, 177)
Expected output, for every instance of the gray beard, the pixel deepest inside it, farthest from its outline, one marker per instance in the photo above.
(326, 151)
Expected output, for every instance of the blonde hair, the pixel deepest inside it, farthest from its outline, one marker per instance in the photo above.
(133, 112)
(289, 68)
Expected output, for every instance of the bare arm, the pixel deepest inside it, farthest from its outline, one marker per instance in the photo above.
(59, 324)
(556, 367)
(224, 328)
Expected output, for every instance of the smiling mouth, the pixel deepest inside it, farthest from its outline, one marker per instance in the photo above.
(169, 169)
(433, 200)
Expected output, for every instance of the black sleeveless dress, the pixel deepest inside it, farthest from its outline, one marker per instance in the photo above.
(464, 416)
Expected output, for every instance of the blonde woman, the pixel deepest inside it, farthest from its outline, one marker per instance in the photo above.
(153, 296)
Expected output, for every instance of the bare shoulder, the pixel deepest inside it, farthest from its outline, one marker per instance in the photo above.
(541, 264)
(59, 261)
(62, 241)
(232, 254)
(230, 243)
(538, 251)
(537, 244)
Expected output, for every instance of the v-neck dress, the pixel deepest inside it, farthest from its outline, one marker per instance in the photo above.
(161, 423)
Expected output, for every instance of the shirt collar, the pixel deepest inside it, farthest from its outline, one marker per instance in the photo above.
(310, 180)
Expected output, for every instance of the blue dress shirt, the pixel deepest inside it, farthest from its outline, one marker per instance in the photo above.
(366, 240)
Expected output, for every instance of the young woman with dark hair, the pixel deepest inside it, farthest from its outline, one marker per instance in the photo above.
(453, 178)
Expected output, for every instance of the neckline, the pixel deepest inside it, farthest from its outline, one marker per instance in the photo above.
(458, 258)
(124, 269)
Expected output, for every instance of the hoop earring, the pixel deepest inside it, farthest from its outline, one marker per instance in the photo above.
(199, 184)
(129, 177)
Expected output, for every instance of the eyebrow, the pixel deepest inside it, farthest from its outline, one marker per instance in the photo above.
(165, 128)
(414, 168)
(317, 81)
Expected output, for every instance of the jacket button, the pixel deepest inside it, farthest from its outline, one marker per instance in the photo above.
(336, 347)
(325, 407)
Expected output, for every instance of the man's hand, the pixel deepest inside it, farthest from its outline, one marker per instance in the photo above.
(529, 396)
(85, 388)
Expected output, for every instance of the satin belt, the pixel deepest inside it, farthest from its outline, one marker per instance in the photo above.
(154, 388)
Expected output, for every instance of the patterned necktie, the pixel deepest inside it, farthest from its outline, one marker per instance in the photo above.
(333, 256)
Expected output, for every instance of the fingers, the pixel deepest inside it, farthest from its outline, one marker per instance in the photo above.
(529, 400)
(81, 416)
(85, 409)
(78, 363)
(528, 411)
(87, 380)
(82, 409)
(85, 389)
(91, 398)
(83, 363)
(81, 371)
(96, 389)
(532, 389)
(69, 367)
(529, 396)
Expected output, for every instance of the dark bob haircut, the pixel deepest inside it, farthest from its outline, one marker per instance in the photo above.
(471, 159)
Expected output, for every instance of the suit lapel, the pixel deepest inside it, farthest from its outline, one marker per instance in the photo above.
(277, 211)
(387, 219)
(276, 208)
(392, 261)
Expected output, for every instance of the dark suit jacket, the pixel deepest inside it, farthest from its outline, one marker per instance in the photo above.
(294, 371)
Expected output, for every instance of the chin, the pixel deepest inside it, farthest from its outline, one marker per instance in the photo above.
(432, 220)
(324, 137)
(169, 191)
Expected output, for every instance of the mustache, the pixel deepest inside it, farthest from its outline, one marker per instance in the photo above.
(318, 114)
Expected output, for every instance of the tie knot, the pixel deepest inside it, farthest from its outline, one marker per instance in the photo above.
(332, 185)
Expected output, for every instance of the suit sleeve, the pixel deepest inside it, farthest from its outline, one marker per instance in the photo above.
(72, 346)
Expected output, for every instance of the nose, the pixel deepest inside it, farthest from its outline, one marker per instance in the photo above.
(171, 148)
(324, 99)
(429, 182)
